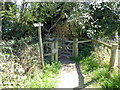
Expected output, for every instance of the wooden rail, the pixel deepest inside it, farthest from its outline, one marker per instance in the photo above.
(47, 42)
(84, 41)
(114, 49)
(105, 44)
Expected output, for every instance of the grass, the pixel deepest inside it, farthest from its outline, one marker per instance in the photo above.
(46, 78)
(96, 73)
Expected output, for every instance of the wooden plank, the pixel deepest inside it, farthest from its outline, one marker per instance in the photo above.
(73, 49)
(47, 42)
(38, 24)
(83, 41)
(69, 41)
(105, 44)
(76, 47)
(54, 51)
(52, 47)
(49, 54)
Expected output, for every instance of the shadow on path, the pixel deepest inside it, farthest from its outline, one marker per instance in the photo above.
(80, 76)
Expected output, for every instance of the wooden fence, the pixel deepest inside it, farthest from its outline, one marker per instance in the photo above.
(114, 50)
(113, 47)
(54, 48)
(75, 42)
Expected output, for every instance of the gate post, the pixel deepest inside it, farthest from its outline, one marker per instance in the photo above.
(52, 48)
(113, 55)
(75, 48)
(56, 48)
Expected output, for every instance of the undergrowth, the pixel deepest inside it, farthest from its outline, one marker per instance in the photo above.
(46, 78)
(95, 72)
(19, 67)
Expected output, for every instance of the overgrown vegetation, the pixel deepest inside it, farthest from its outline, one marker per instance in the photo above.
(95, 72)
(19, 67)
(19, 53)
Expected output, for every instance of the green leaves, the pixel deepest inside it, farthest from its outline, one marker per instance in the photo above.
(103, 15)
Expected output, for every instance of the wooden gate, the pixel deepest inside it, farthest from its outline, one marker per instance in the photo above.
(68, 48)
(61, 47)
(50, 49)
(65, 47)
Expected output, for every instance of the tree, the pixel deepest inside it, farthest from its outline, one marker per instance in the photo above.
(21, 20)
(103, 19)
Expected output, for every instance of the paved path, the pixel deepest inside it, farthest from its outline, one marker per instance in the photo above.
(68, 77)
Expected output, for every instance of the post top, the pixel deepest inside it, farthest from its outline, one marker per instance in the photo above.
(38, 24)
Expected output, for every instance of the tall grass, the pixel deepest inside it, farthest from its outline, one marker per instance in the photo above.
(94, 69)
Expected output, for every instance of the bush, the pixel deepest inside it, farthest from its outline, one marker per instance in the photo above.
(18, 63)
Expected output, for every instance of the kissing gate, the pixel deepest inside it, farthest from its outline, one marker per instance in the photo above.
(54, 47)
(57, 47)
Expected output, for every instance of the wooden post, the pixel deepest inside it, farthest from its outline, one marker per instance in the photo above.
(113, 55)
(52, 48)
(118, 61)
(40, 43)
(56, 48)
(63, 46)
(75, 47)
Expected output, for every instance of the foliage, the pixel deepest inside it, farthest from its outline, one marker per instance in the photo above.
(103, 19)
(94, 70)
(95, 20)
(18, 63)
(112, 82)
(11, 72)
(46, 78)
(88, 19)
(20, 19)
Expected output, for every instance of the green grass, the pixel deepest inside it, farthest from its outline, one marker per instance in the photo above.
(96, 74)
(46, 78)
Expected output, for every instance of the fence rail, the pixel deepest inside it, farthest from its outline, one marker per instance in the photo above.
(105, 44)
(114, 49)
